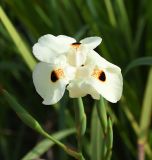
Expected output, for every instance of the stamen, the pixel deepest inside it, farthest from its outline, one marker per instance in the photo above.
(56, 75)
(99, 74)
(76, 45)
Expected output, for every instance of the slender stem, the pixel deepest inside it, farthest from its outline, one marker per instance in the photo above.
(69, 151)
(102, 114)
(34, 124)
(80, 119)
(141, 152)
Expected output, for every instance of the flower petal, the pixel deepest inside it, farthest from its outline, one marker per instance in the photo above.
(75, 90)
(44, 54)
(65, 39)
(59, 44)
(91, 42)
(110, 86)
(49, 88)
(95, 58)
(50, 47)
(79, 88)
(77, 56)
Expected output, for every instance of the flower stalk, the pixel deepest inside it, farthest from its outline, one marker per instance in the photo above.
(80, 119)
(109, 140)
(32, 123)
(101, 111)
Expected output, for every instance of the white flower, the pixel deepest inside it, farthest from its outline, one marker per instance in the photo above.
(50, 47)
(65, 62)
(97, 77)
(50, 80)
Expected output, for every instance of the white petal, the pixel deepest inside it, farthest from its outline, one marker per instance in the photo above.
(56, 44)
(111, 88)
(44, 54)
(75, 90)
(91, 42)
(77, 56)
(50, 91)
(65, 39)
(95, 58)
(84, 72)
(46, 40)
(79, 88)
(70, 72)
(90, 90)
(50, 47)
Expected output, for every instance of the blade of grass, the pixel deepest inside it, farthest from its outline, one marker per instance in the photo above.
(97, 143)
(134, 125)
(45, 144)
(19, 42)
(110, 12)
(138, 62)
(139, 32)
(124, 22)
(146, 112)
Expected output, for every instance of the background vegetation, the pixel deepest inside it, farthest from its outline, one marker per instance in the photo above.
(126, 29)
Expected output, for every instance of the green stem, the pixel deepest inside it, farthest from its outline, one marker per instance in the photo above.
(69, 151)
(34, 124)
(80, 119)
(102, 114)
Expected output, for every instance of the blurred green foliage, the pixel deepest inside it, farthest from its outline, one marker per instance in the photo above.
(125, 27)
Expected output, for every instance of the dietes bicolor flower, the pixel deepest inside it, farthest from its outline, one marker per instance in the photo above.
(66, 63)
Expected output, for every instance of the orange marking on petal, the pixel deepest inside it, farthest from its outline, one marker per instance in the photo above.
(76, 45)
(56, 75)
(99, 74)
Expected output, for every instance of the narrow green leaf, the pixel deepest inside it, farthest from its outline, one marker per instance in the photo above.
(19, 42)
(138, 62)
(22, 113)
(134, 125)
(139, 33)
(92, 8)
(146, 111)
(45, 144)
(110, 12)
(124, 22)
(97, 143)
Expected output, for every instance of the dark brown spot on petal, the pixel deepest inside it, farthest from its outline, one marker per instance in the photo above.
(102, 76)
(76, 45)
(54, 76)
(99, 74)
